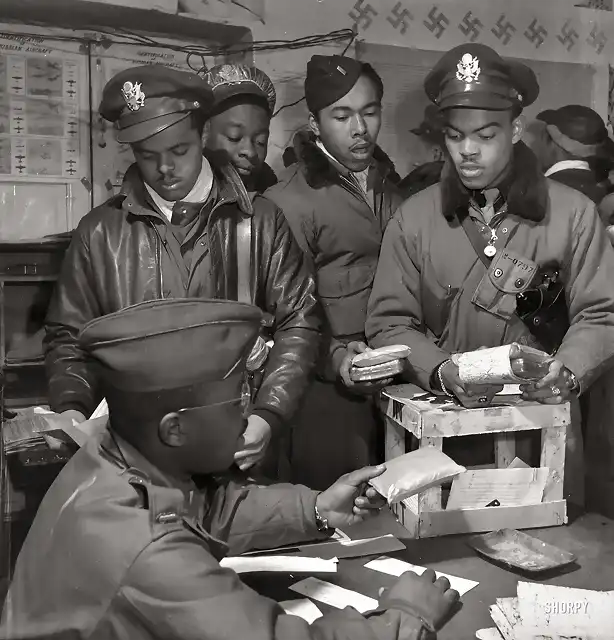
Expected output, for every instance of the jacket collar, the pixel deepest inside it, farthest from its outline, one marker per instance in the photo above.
(525, 189)
(565, 165)
(264, 179)
(230, 187)
(127, 457)
(320, 172)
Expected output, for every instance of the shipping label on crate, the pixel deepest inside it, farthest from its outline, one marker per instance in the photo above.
(498, 488)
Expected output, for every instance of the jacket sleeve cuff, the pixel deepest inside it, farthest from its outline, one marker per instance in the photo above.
(336, 358)
(270, 417)
(408, 609)
(71, 406)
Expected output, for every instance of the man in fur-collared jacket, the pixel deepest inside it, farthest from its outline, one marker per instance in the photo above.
(338, 198)
(456, 256)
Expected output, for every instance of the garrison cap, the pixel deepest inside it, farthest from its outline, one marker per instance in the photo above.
(578, 130)
(172, 344)
(230, 80)
(329, 78)
(477, 77)
(143, 101)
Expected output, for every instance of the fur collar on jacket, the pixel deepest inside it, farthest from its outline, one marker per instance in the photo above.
(320, 172)
(525, 190)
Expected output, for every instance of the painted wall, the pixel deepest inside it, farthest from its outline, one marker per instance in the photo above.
(544, 30)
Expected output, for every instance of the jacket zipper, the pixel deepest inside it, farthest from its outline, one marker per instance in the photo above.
(353, 190)
(160, 242)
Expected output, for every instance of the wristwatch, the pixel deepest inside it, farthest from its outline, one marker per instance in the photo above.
(321, 523)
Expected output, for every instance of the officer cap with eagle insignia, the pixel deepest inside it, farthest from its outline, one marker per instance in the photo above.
(143, 101)
(475, 76)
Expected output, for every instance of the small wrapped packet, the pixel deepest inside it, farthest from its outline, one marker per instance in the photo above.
(415, 472)
(508, 364)
(378, 364)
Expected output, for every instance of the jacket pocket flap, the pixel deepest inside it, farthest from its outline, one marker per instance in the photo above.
(511, 272)
(341, 282)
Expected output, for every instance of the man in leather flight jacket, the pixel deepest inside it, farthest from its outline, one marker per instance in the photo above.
(172, 233)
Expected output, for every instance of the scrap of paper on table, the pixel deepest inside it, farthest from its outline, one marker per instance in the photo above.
(492, 633)
(510, 487)
(342, 547)
(548, 610)
(302, 608)
(334, 596)
(280, 564)
(505, 615)
(394, 567)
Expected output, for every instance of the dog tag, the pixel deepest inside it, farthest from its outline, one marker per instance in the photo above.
(490, 251)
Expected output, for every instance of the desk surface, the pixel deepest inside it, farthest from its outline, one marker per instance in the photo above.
(590, 538)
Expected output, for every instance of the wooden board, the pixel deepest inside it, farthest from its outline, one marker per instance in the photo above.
(545, 514)
(425, 419)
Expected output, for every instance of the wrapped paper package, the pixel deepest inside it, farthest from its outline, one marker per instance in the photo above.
(377, 364)
(508, 364)
(415, 472)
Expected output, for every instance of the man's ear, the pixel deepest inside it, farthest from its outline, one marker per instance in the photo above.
(171, 431)
(313, 124)
(518, 128)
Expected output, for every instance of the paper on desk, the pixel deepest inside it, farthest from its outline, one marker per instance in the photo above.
(334, 596)
(281, 564)
(506, 616)
(394, 567)
(341, 548)
(302, 608)
(489, 634)
(510, 487)
(562, 612)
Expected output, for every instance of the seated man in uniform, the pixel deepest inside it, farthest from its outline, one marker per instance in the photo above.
(457, 256)
(127, 543)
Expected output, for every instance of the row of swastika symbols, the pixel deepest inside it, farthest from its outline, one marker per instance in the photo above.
(400, 18)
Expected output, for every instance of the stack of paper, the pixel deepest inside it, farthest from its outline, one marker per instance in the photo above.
(556, 613)
(22, 433)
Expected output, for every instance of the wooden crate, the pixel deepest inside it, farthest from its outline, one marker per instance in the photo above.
(423, 515)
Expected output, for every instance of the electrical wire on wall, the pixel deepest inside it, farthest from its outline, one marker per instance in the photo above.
(196, 54)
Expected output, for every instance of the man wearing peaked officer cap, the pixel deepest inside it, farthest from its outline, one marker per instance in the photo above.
(511, 230)
(338, 198)
(147, 510)
(183, 225)
(241, 118)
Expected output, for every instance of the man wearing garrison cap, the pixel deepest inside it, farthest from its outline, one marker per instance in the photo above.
(239, 124)
(462, 260)
(130, 540)
(338, 198)
(183, 225)
(573, 147)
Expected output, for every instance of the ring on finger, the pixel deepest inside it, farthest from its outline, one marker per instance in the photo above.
(483, 400)
(556, 391)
